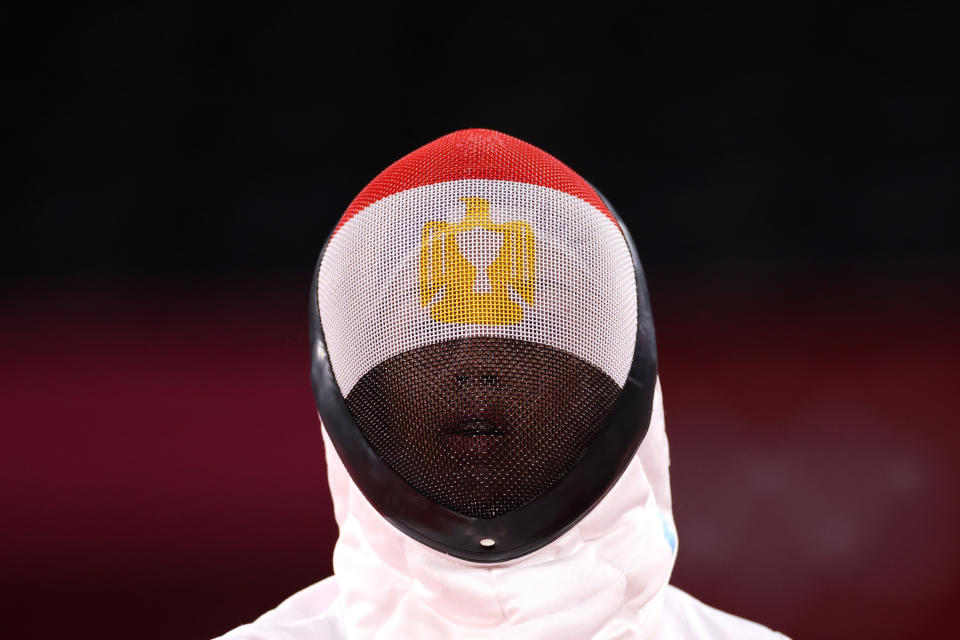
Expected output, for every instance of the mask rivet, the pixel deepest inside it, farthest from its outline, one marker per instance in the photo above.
(488, 542)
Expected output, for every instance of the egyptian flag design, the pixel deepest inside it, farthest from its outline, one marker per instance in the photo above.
(479, 305)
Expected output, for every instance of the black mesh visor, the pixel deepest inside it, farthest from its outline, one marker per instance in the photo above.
(482, 425)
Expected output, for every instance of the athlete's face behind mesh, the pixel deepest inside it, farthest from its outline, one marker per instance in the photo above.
(482, 425)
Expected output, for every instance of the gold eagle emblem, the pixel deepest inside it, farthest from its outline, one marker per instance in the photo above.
(444, 267)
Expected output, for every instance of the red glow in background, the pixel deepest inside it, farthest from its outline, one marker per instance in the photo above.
(169, 474)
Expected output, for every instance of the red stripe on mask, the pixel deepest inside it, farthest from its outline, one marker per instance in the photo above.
(474, 154)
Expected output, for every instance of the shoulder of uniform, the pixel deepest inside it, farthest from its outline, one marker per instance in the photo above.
(307, 614)
(686, 618)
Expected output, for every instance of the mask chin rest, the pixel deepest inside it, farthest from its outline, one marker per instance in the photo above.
(520, 531)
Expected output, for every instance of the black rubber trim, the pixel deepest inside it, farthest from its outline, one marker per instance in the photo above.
(523, 530)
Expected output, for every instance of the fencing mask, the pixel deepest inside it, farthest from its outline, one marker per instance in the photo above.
(484, 359)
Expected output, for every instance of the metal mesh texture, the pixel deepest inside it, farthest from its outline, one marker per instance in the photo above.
(482, 426)
(477, 233)
(479, 308)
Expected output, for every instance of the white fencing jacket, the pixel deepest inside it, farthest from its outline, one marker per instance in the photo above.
(604, 578)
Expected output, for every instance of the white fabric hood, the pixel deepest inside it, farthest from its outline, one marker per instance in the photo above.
(604, 578)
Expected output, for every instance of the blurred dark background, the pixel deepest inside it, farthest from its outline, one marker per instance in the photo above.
(790, 177)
